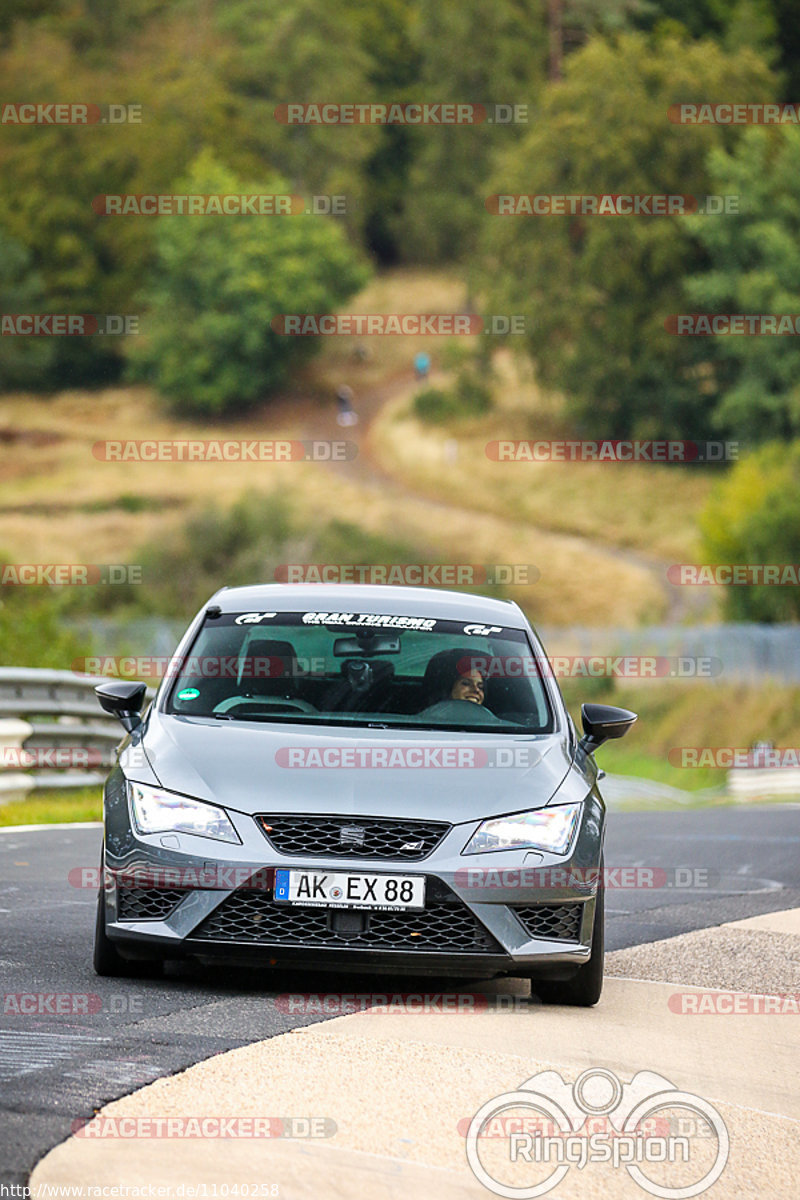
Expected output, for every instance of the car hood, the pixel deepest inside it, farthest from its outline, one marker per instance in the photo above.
(240, 767)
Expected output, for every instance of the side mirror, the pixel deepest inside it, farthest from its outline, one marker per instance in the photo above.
(601, 722)
(123, 700)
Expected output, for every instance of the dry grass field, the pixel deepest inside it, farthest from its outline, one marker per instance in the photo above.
(599, 535)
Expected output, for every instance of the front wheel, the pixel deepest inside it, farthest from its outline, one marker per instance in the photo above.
(586, 985)
(107, 960)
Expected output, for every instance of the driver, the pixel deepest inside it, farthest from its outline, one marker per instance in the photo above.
(468, 687)
(453, 675)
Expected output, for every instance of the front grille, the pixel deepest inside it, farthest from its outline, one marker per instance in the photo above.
(147, 904)
(252, 917)
(352, 837)
(559, 921)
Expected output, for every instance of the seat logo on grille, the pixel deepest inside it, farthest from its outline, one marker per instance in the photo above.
(352, 835)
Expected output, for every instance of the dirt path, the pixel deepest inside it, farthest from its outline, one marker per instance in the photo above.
(315, 420)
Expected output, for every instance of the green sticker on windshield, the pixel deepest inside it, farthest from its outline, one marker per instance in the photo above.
(188, 694)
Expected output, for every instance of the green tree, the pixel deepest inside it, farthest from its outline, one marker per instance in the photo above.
(52, 173)
(217, 284)
(753, 516)
(24, 361)
(754, 267)
(446, 183)
(305, 53)
(596, 290)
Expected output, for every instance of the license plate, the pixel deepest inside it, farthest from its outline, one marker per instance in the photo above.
(335, 889)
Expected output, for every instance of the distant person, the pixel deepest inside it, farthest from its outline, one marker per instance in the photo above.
(344, 401)
(422, 365)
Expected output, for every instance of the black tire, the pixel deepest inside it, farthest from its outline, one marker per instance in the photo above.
(586, 985)
(108, 961)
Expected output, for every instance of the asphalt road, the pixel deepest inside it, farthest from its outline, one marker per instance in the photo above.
(708, 866)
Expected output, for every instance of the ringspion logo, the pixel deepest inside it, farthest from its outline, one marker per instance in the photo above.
(541, 1127)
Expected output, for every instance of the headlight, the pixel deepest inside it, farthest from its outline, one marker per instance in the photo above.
(157, 811)
(545, 829)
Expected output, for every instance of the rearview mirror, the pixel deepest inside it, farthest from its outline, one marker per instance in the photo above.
(124, 700)
(602, 722)
(379, 644)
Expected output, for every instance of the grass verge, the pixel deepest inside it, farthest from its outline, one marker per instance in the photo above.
(53, 807)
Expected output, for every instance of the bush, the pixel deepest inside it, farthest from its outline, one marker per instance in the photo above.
(433, 406)
(24, 361)
(237, 545)
(753, 516)
(468, 398)
(207, 343)
(472, 398)
(32, 633)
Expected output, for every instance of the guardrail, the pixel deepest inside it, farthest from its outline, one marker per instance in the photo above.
(751, 783)
(53, 732)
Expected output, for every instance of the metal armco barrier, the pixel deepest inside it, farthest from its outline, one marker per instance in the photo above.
(747, 783)
(53, 732)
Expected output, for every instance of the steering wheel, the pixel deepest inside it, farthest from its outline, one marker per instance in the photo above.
(277, 702)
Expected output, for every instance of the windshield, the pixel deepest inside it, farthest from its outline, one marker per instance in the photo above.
(361, 669)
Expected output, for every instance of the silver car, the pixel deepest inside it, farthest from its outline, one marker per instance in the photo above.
(375, 779)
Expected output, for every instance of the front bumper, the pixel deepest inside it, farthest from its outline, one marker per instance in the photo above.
(482, 915)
